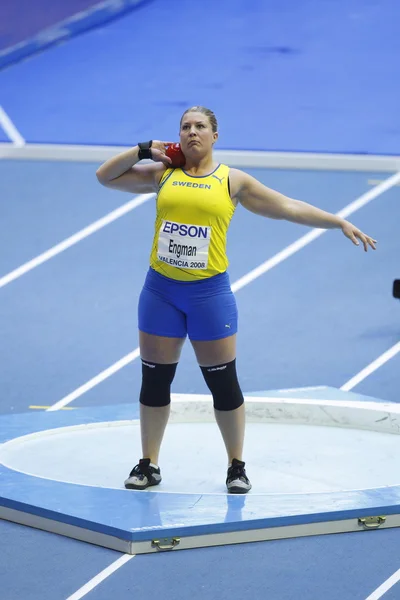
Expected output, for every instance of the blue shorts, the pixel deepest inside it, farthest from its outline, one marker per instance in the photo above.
(204, 310)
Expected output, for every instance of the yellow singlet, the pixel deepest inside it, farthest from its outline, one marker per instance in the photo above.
(193, 216)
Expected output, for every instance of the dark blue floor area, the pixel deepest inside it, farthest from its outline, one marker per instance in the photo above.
(314, 76)
(71, 317)
(46, 203)
(346, 566)
(331, 567)
(52, 566)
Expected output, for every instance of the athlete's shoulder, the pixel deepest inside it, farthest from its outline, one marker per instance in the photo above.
(221, 173)
(222, 168)
(236, 174)
(165, 175)
(237, 178)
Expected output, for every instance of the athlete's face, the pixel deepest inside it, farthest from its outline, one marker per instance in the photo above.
(196, 134)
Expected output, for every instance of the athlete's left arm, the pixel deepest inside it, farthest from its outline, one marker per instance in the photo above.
(266, 202)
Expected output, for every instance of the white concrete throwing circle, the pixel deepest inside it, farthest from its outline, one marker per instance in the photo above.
(281, 458)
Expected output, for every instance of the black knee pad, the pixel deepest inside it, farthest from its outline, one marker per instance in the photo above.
(223, 383)
(156, 383)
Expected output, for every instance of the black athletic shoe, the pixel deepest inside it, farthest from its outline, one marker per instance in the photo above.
(237, 482)
(143, 476)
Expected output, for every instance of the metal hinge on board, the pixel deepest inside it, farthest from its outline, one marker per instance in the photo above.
(165, 543)
(371, 522)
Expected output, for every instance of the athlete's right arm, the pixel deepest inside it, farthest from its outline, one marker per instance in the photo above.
(122, 173)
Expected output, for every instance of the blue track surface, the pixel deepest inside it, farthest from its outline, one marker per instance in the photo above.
(318, 318)
(280, 75)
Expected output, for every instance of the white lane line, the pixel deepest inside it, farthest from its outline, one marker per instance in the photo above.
(315, 233)
(381, 360)
(10, 129)
(386, 585)
(242, 282)
(74, 239)
(120, 364)
(100, 577)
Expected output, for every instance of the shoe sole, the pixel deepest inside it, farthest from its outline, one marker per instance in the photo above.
(238, 490)
(133, 486)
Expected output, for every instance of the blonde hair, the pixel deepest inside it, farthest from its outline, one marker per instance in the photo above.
(205, 111)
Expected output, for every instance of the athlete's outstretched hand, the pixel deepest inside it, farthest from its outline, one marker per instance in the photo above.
(158, 152)
(355, 234)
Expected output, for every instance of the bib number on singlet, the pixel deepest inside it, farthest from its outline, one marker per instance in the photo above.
(184, 246)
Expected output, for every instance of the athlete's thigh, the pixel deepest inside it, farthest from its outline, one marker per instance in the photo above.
(162, 328)
(212, 321)
(210, 353)
(158, 315)
(160, 349)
